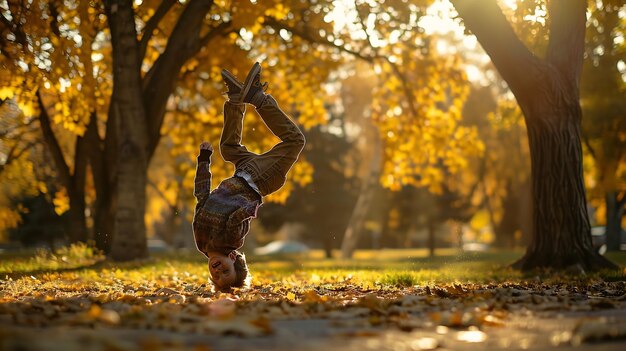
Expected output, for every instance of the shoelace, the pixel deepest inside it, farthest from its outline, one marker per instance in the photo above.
(257, 83)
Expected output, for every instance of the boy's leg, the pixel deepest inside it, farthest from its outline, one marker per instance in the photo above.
(271, 168)
(230, 143)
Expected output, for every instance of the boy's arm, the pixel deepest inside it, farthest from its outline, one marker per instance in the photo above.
(202, 183)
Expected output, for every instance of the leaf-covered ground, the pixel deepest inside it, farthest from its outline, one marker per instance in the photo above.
(392, 299)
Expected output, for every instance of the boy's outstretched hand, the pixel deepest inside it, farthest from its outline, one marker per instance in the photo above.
(206, 146)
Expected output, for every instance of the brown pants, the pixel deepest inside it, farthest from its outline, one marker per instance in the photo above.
(268, 170)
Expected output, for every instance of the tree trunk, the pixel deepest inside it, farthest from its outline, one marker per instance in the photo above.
(431, 238)
(357, 220)
(614, 214)
(104, 218)
(547, 91)
(328, 247)
(77, 224)
(129, 234)
(355, 225)
(76, 193)
(526, 214)
(562, 233)
(101, 154)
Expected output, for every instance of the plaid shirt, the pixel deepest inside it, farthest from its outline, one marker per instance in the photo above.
(222, 216)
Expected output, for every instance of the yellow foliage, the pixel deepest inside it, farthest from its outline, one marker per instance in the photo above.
(9, 218)
(480, 220)
(6, 93)
(16, 180)
(61, 202)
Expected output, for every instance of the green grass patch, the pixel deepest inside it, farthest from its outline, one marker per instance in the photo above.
(79, 266)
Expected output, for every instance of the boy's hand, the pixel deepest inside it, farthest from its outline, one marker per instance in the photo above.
(206, 146)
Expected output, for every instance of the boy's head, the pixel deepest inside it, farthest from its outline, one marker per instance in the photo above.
(228, 271)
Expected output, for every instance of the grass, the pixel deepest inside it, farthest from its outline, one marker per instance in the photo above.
(84, 298)
(79, 267)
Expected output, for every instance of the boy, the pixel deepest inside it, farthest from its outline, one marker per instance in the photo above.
(222, 216)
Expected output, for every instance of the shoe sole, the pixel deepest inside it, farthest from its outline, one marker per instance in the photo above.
(256, 68)
(232, 78)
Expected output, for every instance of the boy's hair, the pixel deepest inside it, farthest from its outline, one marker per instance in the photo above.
(242, 274)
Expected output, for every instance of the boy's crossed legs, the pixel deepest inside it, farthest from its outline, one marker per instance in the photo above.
(268, 170)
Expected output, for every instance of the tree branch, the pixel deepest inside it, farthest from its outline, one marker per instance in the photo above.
(96, 154)
(304, 34)
(215, 31)
(80, 166)
(172, 207)
(15, 28)
(592, 152)
(11, 129)
(54, 23)
(405, 86)
(152, 24)
(485, 20)
(53, 144)
(5, 21)
(13, 155)
(567, 37)
(158, 84)
(316, 39)
(621, 199)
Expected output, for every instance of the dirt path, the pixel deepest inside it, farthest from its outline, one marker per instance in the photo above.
(521, 331)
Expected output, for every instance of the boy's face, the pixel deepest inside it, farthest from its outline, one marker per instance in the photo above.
(222, 269)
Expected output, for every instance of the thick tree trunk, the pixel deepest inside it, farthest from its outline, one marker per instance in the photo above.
(526, 214)
(562, 233)
(102, 160)
(614, 214)
(77, 224)
(76, 193)
(103, 213)
(129, 238)
(547, 91)
(104, 218)
(129, 234)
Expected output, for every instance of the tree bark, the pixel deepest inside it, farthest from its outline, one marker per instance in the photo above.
(76, 191)
(77, 224)
(129, 234)
(614, 214)
(562, 233)
(526, 214)
(547, 92)
(101, 165)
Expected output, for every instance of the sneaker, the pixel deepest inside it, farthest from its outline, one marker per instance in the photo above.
(233, 85)
(253, 92)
